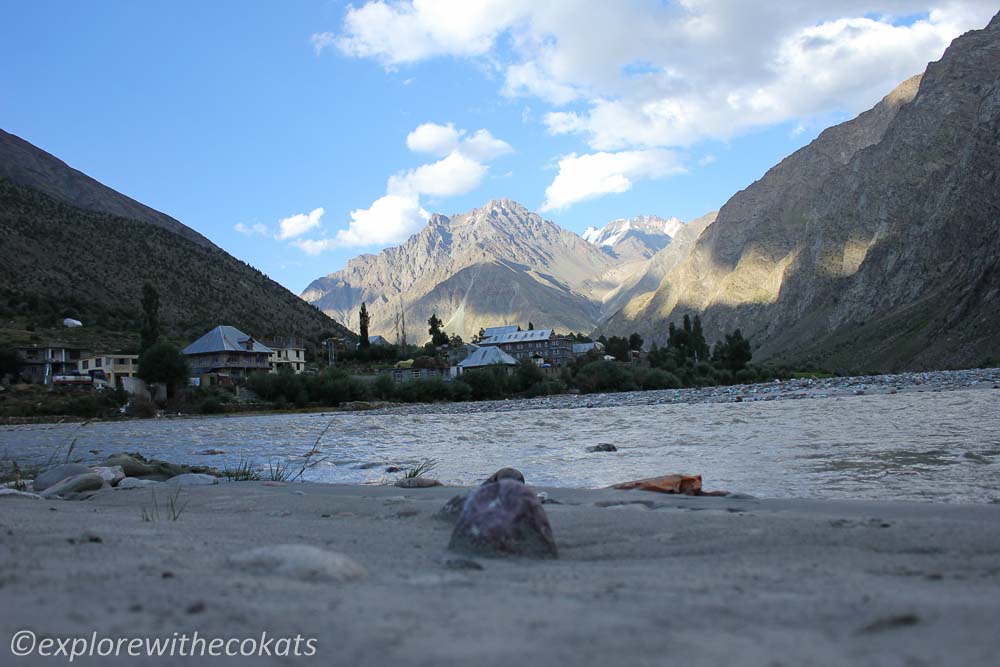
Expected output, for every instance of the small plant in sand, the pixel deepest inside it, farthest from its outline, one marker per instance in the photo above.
(421, 469)
(173, 510)
(278, 471)
(245, 471)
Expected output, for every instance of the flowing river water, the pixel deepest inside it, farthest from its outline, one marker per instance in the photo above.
(930, 446)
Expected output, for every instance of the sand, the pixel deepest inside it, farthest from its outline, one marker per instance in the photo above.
(643, 579)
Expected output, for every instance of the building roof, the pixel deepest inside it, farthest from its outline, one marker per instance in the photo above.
(518, 337)
(225, 339)
(487, 356)
(377, 340)
(584, 348)
(489, 332)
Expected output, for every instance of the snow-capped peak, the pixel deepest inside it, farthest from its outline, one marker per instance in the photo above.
(616, 230)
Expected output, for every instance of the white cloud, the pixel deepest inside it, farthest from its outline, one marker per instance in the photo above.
(322, 40)
(397, 215)
(583, 177)
(257, 228)
(453, 175)
(298, 224)
(438, 140)
(706, 160)
(647, 74)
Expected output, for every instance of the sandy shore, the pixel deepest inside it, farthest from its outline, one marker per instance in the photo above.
(643, 579)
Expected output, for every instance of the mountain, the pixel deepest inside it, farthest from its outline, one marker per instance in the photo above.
(634, 238)
(70, 246)
(877, 246)
(493, 265)
(25, 164)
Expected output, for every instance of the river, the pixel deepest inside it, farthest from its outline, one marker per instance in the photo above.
(925, 446)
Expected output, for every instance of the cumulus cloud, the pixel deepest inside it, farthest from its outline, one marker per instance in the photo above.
(257, 228)
(583, 177)
(397, 215)
(298, 224)
(434, 139)
(671, 74)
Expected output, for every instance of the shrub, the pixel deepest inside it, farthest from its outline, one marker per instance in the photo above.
(211, 406)
(605, 376)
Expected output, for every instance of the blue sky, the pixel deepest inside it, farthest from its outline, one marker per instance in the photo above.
(232, 115)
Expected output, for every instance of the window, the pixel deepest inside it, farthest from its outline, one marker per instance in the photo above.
(86, 364)
(97, 362)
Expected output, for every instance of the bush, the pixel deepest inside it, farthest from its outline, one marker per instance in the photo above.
(211, 406)
(384, 387)
(655, 378)
(605, 376)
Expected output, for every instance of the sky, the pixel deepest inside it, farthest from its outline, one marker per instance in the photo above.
(297, 135)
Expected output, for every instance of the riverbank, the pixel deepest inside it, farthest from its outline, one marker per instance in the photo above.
(642, 578)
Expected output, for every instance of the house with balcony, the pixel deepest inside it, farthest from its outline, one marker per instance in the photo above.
(287, 353)
(41, 363)
(227, 354)
(110, 368)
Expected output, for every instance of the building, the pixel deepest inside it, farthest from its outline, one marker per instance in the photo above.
(42, 363)
(486, 357)
(583, 349)
(288, 353)
(379, 341)
(227, 352)
(490, 332)
(541, 345)
(111, 368)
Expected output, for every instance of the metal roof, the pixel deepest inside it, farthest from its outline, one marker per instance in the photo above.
(487, 356)
(489, 332)
(584, 348)
(518, 337)
(224, 339)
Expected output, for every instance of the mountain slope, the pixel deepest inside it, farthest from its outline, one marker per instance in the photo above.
(74, 262)
(875, 246)
(496, 264)
(634, 238)
(25, 164)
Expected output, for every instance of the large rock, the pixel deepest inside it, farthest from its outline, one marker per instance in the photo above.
(506, 473)
(417, 483)
(136, 465)
(504, 518)
(89, 481)
(130, 465)
(57, 474)
(299, 561)
(14, 493)
(686, 484)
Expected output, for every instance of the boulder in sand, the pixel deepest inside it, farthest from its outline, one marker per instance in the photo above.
(57, 474)
(193, 479)
(89, 481)
(135, 483)
(299, 561)
(110, 474)
(504, 518)
(687, 484)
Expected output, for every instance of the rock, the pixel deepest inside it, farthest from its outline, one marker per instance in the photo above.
(393, 469)
(57, 474)
(89, 481)
(417, 483)
(135, 465)
(193, 479)
(211, 452)
(689, 484)
(453, 508)
(603, 447)
(506, 473)
(13, 493)
(110, 474)
(299, 561)
(135, 483)
(504, 518)
(131, 466)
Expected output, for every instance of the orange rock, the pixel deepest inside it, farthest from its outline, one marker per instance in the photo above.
(688, 484)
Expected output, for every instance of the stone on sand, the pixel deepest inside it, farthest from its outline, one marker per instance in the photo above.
(14, 493)
(58, 473)
(135, 483)
(504, 518)
(299, 561)
(110, 474)
(506, 473)
(417, 483)
(89, 481)
(193, 479)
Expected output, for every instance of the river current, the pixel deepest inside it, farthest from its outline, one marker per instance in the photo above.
(930, 446)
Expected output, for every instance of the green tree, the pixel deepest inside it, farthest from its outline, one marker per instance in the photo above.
(363, 320)
(635, 342)
(163, 363)
(10, 364)
(698, 344)
(531, 326)
(438, 336)
(736, 353)
(478, 338)
(150, 332)
(455, 342)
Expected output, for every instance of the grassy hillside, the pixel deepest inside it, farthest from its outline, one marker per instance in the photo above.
(59, 261)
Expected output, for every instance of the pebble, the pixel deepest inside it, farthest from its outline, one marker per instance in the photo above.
(299, 561)
(193, 479)
(135, 483)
